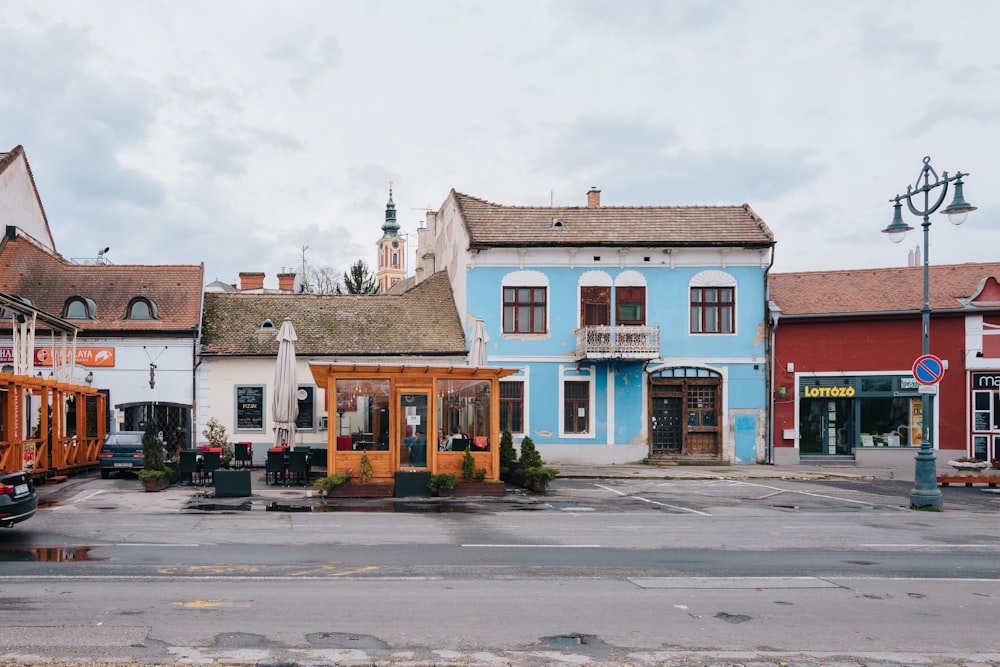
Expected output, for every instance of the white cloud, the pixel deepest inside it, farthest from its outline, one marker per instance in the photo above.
(235, 133)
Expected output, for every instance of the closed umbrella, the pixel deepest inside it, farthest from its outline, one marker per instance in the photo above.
(477, 347)
(285, 401)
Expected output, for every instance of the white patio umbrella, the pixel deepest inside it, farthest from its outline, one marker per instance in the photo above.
(477, 346)
(285, 402)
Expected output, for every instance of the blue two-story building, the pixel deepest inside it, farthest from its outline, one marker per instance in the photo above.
(638, 332)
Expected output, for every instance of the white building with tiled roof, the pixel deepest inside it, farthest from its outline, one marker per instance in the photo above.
(239, 347)
(138, 324)
(639, 331)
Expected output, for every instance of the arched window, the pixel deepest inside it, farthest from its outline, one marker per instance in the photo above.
(79, 308)
(141, 308)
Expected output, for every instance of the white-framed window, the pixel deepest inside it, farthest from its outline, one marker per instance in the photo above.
(712, 303)
(577, 402)
(525, 303)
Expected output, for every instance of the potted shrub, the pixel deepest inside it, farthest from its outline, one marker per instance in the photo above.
(534, 475)
(327, 484)
(509, 465)
(216, 435)
(360, 486)
(442, 483)
(154, 480)
(154, 474)
(968, 464)
(473, 480)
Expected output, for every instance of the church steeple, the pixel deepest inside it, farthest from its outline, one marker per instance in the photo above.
(391, 228)
(391, 250)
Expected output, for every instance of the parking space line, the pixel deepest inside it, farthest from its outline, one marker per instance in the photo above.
(653, 502)
(808, 493)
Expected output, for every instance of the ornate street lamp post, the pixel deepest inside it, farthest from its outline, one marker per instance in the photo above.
(925, 493)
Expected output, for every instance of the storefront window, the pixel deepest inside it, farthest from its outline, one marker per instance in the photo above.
(463, 415)
(889, 421)
(837, 414)
(363, 413)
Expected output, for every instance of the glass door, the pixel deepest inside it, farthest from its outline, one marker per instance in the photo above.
(413, 426)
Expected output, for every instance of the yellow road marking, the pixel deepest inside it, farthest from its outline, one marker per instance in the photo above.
(209, 604)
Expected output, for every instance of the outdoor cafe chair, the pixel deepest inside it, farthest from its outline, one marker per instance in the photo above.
(211, 461)
(189, 466)
(242, 455)
(274, 467)
(298, 466)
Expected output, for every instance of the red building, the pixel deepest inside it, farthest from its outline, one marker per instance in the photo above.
(843, 344)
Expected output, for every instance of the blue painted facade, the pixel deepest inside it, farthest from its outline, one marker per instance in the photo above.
(631, 404)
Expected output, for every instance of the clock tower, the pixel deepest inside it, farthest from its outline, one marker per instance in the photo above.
(391, 250)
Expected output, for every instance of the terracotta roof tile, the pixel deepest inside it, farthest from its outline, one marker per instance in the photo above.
(493, 225)
(29, 271)
(898, 289)
(420, 321)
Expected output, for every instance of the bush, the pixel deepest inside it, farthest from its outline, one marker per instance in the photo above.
(215, 433)
(152, 448)
(443, 481)
(468, 466)
(330, 482)
(367, 472)
(507, 451)
(536, 479)
(146, 474)
(530, 458)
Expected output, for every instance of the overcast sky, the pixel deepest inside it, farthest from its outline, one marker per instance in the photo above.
(235, 133)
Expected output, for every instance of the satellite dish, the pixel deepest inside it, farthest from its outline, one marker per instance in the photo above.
(301, 394)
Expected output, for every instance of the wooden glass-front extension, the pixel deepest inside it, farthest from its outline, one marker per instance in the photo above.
(411, 418)
(49, 428)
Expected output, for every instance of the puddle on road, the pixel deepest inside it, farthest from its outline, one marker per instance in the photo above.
(388, 506)
(47, 554)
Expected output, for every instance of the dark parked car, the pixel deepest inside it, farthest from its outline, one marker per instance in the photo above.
(122, 450)
(18, 499)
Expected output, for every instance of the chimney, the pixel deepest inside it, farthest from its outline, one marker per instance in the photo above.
(286, 282)
(251, 280)
(593, 198)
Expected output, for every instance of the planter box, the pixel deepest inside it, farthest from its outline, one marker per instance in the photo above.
(969, 480)
(232, 483)
(410, 484)
(359, 490)
(465, 489)
(156, 483)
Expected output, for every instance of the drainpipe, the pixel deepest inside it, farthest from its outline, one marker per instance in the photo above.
(769, 358)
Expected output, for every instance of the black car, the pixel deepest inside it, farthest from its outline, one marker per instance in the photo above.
(122, 450)
(18, 499)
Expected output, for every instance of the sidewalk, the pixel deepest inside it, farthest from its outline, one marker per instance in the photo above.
(180, 496)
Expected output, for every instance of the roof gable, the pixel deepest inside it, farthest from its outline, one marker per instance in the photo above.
(20, 205)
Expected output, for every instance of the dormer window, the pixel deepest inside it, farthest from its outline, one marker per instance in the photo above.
(80, 308)
(141, 308)
(267, 324)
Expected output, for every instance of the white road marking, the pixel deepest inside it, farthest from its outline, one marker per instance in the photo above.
(653, 502)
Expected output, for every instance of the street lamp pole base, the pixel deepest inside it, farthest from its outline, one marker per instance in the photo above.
(925, 494)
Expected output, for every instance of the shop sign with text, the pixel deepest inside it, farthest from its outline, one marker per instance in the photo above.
(827, 392)
(85, 356)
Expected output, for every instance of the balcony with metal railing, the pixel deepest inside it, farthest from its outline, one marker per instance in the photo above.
(617, 342)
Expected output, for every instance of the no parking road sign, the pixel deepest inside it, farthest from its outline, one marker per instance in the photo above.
(928, 369)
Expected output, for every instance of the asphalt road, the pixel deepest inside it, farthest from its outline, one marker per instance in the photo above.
(597, 571)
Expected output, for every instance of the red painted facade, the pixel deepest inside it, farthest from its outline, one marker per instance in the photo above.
(873, 344)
